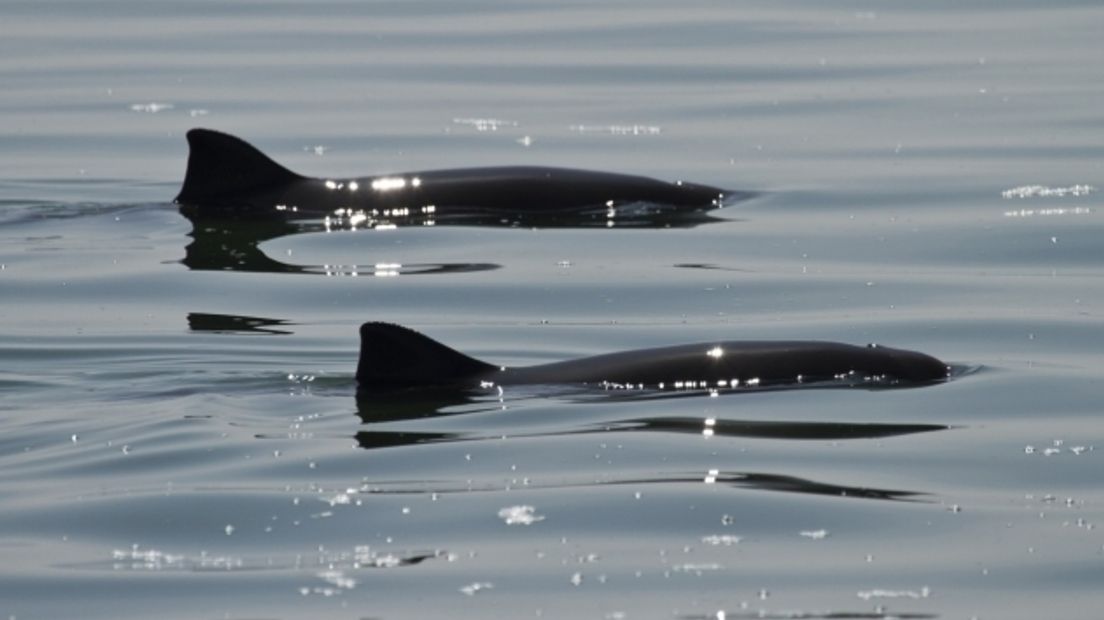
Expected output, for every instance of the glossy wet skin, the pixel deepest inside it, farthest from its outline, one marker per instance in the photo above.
(492, 189)
(393, 356)
(734, 364)
(227, 175)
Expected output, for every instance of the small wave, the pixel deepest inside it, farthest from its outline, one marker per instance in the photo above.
(15, 212)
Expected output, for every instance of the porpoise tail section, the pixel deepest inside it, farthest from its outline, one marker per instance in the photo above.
(223, 169)
(392, 356)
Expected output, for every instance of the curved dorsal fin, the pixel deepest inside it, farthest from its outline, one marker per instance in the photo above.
(395, 356)
(222, 167)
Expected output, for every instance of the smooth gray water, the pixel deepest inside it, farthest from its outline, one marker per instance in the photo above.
(179, 435)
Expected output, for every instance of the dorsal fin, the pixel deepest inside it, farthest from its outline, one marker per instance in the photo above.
(395, 356)
(222, 167)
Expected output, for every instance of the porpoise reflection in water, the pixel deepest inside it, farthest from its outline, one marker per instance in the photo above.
(392, 356)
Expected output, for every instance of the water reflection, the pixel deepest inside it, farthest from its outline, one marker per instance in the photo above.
(744, 480)
(230, 323)
(377, 409)
(234, 245)
(707, 427)
(385, 410)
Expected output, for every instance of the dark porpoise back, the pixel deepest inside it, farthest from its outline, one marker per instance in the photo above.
(392, 356)
(227, 171)
(395, 356)
(228, 176)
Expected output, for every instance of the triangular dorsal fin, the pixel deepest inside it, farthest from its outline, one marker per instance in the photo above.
(396, 356)
(222, 167)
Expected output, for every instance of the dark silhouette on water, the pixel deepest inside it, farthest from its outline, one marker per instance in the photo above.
(395, 357)
(406, 376)
(237, 198)
(228, 177)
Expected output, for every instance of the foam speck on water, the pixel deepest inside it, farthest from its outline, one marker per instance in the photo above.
(520, 515)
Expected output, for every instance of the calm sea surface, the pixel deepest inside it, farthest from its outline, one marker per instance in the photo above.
(179, 432)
